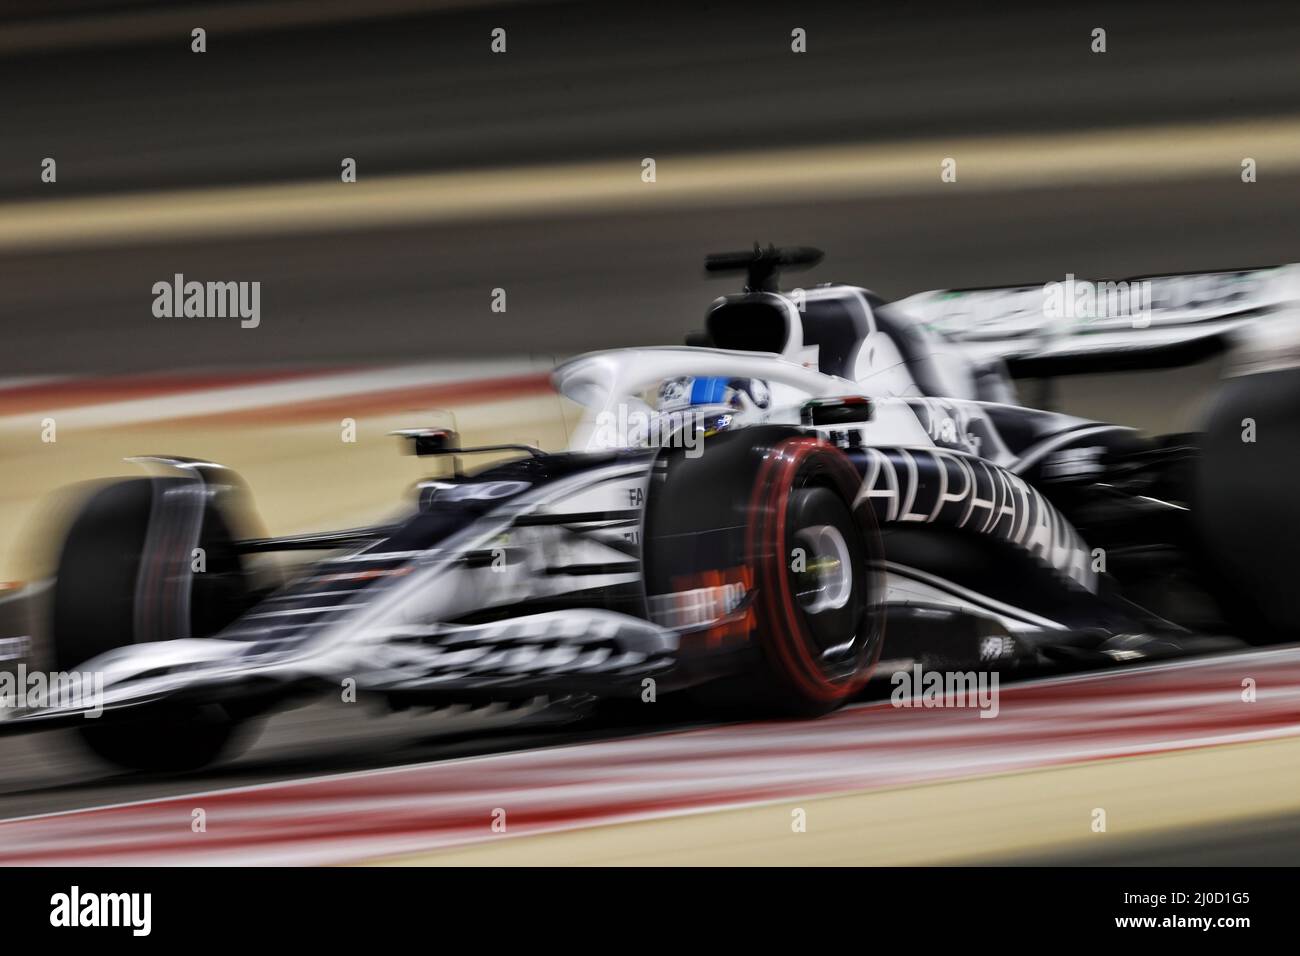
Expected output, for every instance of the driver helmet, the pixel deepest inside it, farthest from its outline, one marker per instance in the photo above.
(719, 399)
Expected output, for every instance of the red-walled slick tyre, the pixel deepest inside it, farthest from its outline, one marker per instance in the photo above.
(775, 509)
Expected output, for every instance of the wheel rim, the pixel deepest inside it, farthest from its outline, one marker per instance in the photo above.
(826, 582)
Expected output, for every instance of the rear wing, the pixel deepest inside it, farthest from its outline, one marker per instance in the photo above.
(1075, 326)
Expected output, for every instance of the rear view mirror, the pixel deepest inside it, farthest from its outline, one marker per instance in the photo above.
(844, 410)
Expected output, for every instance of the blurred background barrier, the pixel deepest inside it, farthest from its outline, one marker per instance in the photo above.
(522, 170)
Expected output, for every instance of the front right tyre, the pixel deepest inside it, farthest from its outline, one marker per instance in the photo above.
(773, 509)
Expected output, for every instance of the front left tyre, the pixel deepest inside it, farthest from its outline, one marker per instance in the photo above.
(101, 585)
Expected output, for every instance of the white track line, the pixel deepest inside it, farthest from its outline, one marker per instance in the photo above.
(984, 163)
(70, 413)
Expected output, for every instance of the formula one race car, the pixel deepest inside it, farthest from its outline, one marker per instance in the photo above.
(747, 522)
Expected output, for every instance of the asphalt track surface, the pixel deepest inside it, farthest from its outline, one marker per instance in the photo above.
(1158, 748)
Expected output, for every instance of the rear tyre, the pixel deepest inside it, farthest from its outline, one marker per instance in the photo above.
(1245, 506)
(95, 609)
